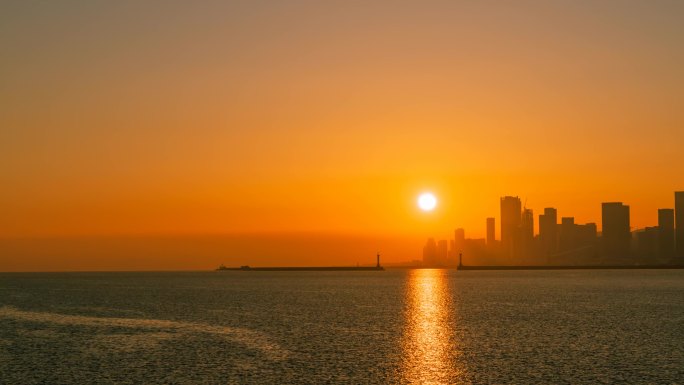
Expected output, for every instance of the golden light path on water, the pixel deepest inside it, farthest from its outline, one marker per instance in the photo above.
(430, 350)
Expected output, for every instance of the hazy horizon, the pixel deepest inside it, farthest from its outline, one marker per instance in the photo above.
(201, 252)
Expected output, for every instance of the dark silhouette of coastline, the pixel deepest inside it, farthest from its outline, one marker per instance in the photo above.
(568, 267)
(377, 267)
(304, 268)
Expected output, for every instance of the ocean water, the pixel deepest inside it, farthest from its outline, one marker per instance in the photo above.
(392, 327)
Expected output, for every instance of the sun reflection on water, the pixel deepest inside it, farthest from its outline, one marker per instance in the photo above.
(430, 351)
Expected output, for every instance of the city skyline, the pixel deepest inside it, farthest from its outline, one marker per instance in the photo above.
(565, 241)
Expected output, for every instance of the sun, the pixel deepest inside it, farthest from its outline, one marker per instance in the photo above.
(427, 201)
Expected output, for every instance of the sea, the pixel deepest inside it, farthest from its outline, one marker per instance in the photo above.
(399, 326)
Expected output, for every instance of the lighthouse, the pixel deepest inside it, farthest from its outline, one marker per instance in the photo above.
(378, 260)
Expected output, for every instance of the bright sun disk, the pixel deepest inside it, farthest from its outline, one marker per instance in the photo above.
(427, 201)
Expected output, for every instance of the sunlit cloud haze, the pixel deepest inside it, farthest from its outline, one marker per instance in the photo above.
(210, 119)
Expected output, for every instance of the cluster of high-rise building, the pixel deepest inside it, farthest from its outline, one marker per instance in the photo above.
(562, 241)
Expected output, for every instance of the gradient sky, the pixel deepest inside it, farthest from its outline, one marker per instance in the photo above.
(187, 118)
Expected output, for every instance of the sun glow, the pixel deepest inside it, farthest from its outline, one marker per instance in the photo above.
(427, 201)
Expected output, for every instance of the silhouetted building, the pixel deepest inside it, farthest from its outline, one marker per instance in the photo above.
(510, 225)
(430, 252)
(459, 238)
(646, 241)
(442, 252)
(666, 232)
(527, 233)
(586, 234)
(453, 252)
(576, 242)
(457, 246)
(491, 232)
(548, 231)
(616, 235)
(679, 223)
(474, 247)
(568, 234)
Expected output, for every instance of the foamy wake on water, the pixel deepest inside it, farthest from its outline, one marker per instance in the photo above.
(247, 338)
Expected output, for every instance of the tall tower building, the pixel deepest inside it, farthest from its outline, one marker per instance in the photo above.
(442, 252)
(548, 231)
(666, 232)
(679, 223)
(510, 225)
(567, 237)
(459, 239)
(586, 234)
(527, 233)
(491, 232)
(616, 232)
(430, 252)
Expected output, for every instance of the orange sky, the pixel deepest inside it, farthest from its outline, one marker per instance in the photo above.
(177, 119)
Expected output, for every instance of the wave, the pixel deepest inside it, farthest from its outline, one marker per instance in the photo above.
(248, 338)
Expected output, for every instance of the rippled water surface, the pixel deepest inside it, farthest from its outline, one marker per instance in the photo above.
(397, 326)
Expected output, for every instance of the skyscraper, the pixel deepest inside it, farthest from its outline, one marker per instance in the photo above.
(646, 241)
(442, 252)
(548, 231)
(459, 238)
(585, 234)
(567, 237)
(616, 230)
(666, 232)
(430, 252)
(527, 233)
(491, 232)
(679, 223)
(510, 225)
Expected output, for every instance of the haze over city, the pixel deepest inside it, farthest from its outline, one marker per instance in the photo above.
(138, 136)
